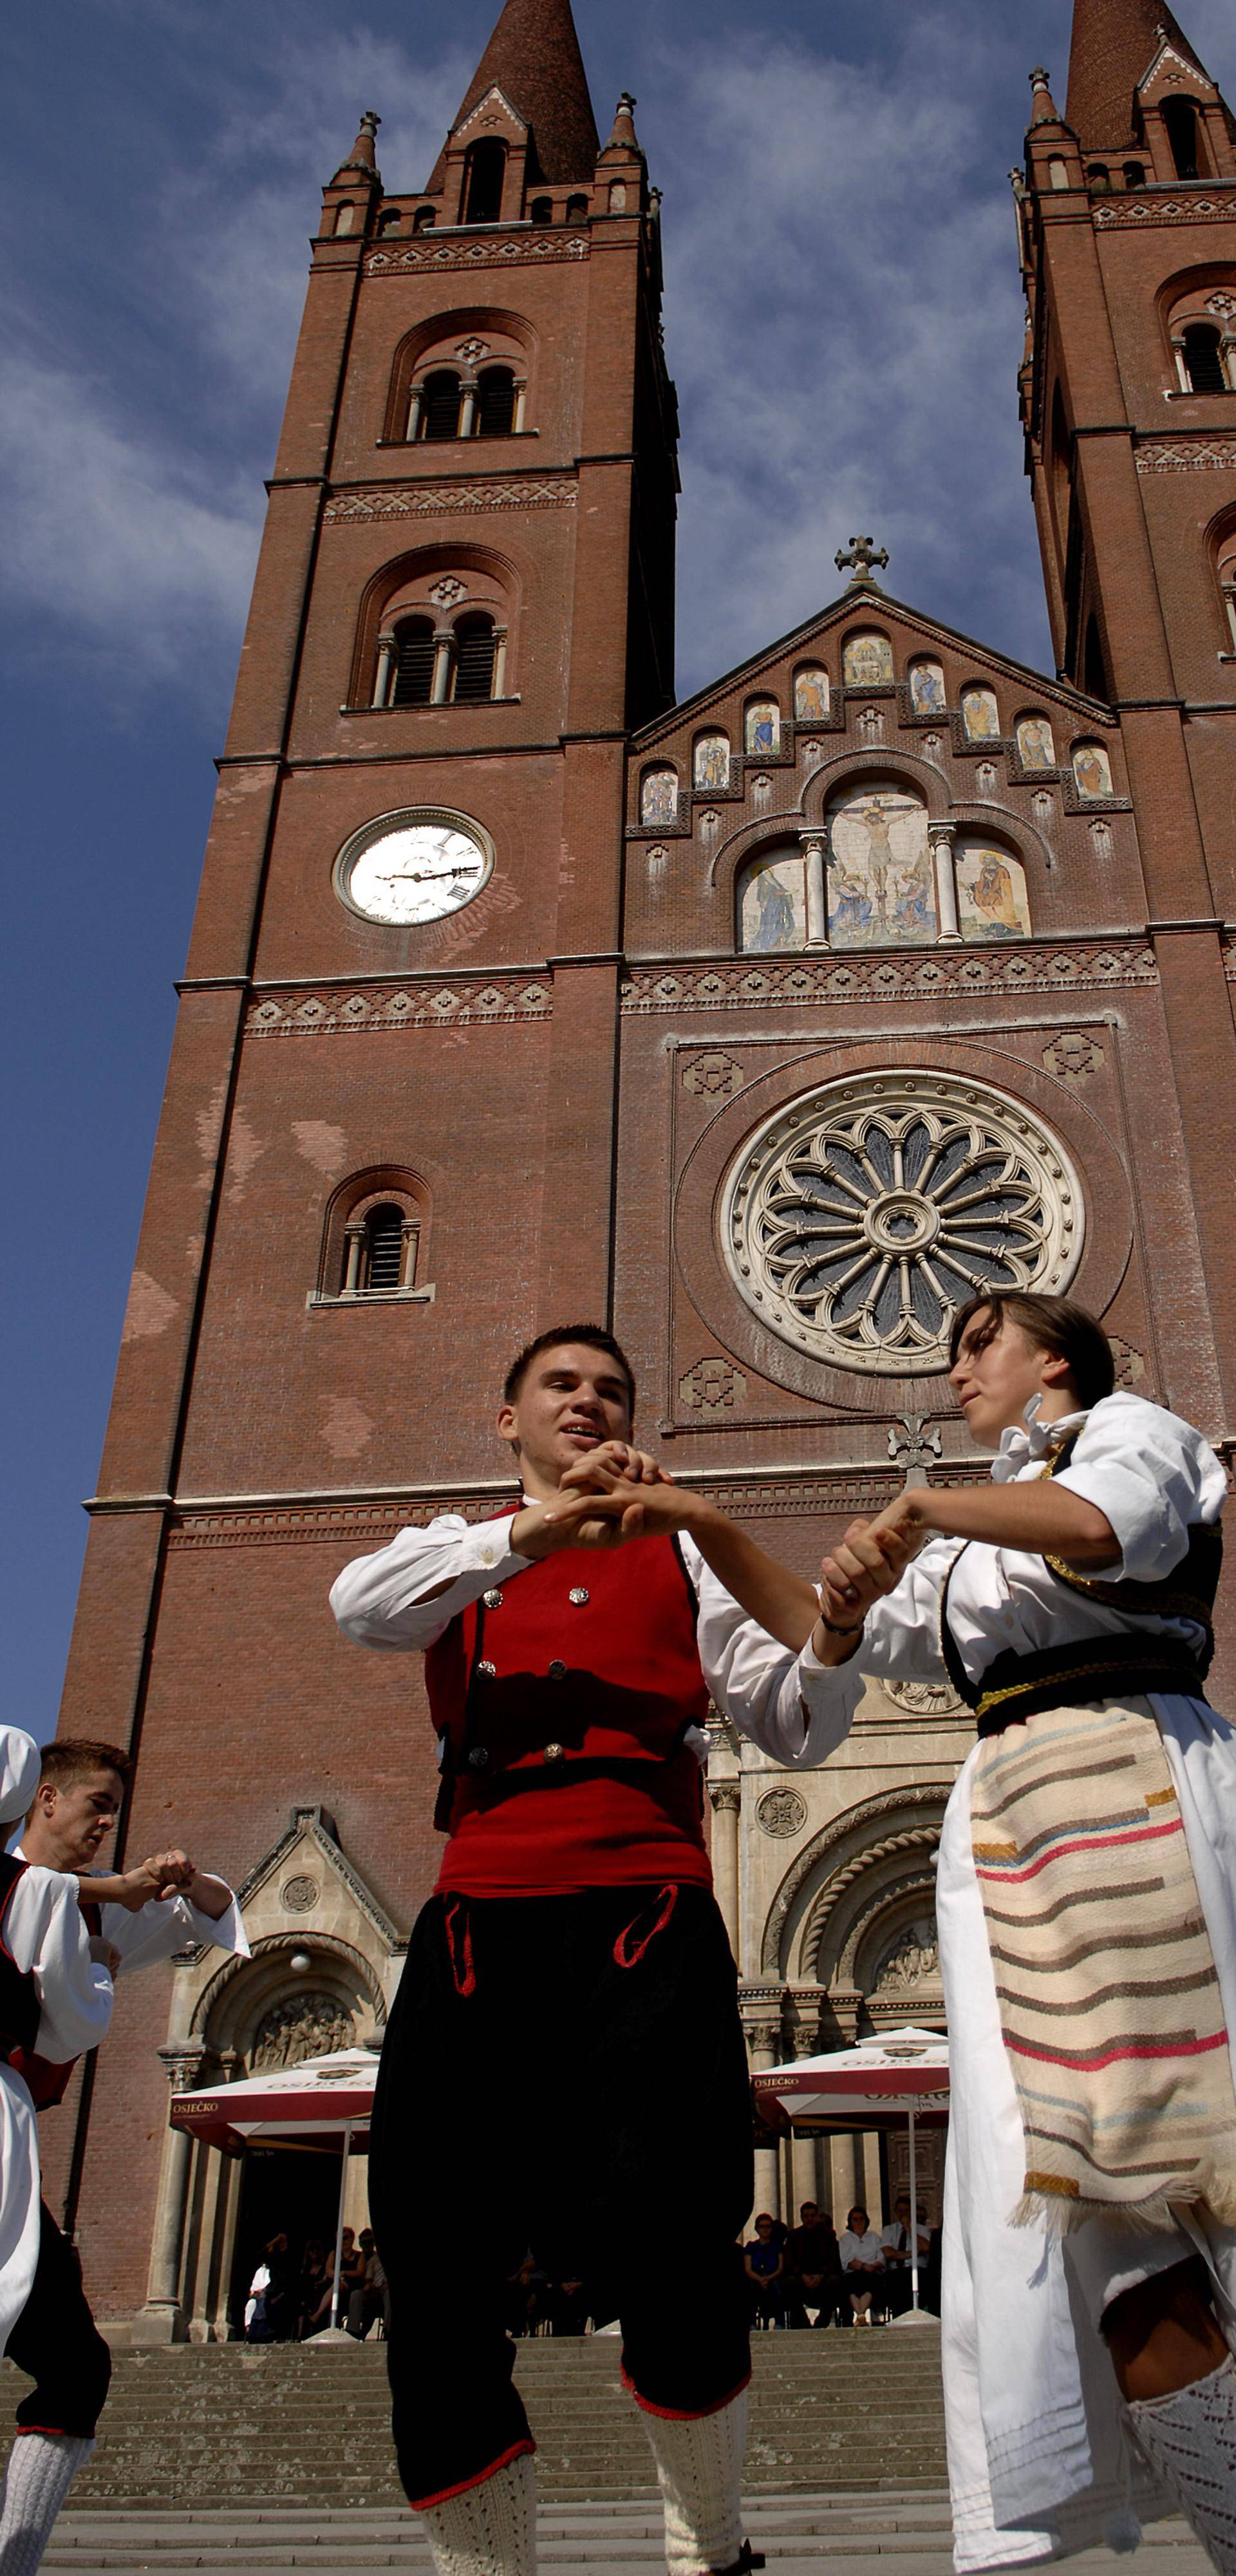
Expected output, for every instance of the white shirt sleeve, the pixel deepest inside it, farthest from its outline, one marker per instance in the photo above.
(46, 1934)
(382, 1600)
(1151, 1475)
(169, 1924)
(768, 1693)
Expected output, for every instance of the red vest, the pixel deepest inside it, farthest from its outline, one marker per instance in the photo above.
(561, 1700)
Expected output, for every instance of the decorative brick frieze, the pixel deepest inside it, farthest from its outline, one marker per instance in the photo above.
(1183, 455)
(338, 1008)
(518, 250)
(352, 1524)
(433, 500)
(855, 978)
(1140, 209)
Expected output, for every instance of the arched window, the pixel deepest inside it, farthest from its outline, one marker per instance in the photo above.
(495, 403)
(1225, 567)
(1100, 177)
(577, 210)
(388, 220)
(1203, 360)
(375, 1240)
(1094, 673)
(440, 405)
(483, 177)
(1180, 119)
(345, 218)
(414, 657)
(541, 210)
(423, 219)
(1134, 174)
(476, 645)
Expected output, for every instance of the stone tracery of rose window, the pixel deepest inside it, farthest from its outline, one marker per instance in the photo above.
(867, 1212)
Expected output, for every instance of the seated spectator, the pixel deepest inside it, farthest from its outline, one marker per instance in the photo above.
(369, 2298)
(812, 2268)
(862, 2265)
(764, 2265)
(351, 2276)
(897, 2255)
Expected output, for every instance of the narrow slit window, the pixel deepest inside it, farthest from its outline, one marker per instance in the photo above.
(414, 654)
(1180, 119)
(383, 1263)
(495, 403)
(1204, 360)
(475, 648)
(483, 187)
(440, 405)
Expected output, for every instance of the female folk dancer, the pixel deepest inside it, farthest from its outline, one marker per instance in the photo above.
(1086, 1911)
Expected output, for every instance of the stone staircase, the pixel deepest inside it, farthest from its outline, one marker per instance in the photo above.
(289, 2425)
(254, 2460)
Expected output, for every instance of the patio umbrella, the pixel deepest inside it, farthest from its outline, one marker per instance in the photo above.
(902, 2075)
(320, 2098)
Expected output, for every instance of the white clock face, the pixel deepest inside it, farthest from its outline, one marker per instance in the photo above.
(413, 871)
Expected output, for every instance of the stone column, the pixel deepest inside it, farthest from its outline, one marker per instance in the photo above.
(384, 678)
(415, 399)
(943, 836)
(804, 2151)
(761, 2011)
(443, 657)
(521, 403)
(497, 687)
(354, 1236)
(467, 415)
(817, 889)
(726, 1800)
(162, 2320)
(410, 1237)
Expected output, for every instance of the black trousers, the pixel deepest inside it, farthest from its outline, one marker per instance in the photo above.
(57, 2342)
(565, 2073)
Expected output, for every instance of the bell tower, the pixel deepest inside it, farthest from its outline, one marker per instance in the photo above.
(1127, 221)
(387, 1146)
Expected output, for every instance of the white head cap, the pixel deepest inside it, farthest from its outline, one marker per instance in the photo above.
(20, 1765)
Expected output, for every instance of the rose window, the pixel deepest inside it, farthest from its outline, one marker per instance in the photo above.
(866, 1213)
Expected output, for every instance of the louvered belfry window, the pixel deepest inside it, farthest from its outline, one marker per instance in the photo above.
(475, 644)
(495, 403)
(383, 1250)
(1180, 118)
(1203, 363)
(413, 663)
(440, 405)
(486, 170)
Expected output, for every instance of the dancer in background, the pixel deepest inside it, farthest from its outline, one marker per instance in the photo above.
(55, 2001)
(1086, 1909)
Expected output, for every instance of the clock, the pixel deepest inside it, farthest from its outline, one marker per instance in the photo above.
(406, 869)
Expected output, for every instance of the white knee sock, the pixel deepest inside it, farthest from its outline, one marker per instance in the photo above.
(699, 2469)
(41, 2470)
(489, 2530)
(1189, 2438)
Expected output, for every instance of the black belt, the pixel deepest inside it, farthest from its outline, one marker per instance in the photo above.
(1017, 1686)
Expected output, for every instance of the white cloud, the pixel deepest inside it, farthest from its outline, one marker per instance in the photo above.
(122, 548)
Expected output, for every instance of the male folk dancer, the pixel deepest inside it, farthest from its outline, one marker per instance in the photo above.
(564, 2062)
(133, 1918)
(1087, 1920)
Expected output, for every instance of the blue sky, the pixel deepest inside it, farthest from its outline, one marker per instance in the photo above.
(844, 322)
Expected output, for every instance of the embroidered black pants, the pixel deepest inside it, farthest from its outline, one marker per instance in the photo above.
(563, 2075)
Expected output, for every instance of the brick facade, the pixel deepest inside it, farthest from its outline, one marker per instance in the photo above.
(570, 1067)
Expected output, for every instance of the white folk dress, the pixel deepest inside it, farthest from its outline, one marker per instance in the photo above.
(1039, 2462)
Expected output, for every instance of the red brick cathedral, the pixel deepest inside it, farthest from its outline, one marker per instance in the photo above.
(768, 1024)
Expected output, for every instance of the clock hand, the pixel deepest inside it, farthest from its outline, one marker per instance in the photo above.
(429, 876)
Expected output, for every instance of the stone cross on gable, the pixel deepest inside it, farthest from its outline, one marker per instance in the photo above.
(862, 554)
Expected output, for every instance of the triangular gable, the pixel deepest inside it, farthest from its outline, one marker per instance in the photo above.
(857, 608)
(483, 115)
(309, 1850)
(1168, 69)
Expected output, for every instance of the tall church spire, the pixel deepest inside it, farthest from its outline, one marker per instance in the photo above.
(533, 57)
(1114, 44)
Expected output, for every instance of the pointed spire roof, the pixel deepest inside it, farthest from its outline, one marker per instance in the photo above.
(363, 157)
(533, 57)
(1114, 45)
